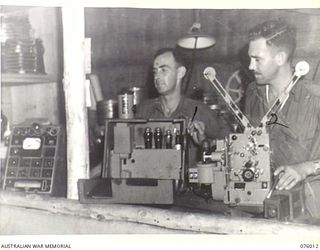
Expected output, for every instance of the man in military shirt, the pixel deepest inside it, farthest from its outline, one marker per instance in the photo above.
(168, 71)
(295, 131)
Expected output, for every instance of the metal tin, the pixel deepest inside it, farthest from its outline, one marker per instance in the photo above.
(110, 108)
(106, 109)
(139, 94)
(125, 101)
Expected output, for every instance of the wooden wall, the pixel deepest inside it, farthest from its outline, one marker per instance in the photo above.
(125, 39)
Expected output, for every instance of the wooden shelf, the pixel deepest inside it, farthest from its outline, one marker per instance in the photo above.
(22, 79)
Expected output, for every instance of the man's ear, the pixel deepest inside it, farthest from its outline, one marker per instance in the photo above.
(181, 72)
(281, 58)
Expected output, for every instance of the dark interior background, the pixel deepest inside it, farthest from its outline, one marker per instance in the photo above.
(124, 41)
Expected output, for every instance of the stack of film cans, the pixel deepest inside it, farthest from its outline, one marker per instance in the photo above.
(20, 53)
(162, 139)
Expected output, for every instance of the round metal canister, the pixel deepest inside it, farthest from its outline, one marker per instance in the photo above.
(107, 109)
(110, 108)
(138, 94)
(206, 173)
(125, 105)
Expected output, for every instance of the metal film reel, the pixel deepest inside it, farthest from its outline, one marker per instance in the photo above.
(235, 87)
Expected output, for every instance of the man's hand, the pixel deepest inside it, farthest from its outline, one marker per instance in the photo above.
(196, 130)
(289, 176)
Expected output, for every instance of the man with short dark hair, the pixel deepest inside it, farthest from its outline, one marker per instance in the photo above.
(295, 135)
(168, 71)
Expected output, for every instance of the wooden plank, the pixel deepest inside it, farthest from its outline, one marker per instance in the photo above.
(21, 221)
(24, 79)
(74, 87)
(170, 218)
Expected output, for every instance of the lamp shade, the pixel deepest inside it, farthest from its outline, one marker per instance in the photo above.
(196, 42)
(195, 39)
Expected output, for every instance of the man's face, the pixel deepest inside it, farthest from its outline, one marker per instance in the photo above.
(262, 61)
(165, 73)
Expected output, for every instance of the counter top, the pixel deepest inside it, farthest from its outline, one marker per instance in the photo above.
(173, 218)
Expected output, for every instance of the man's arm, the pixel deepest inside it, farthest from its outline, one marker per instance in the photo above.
(290, 175)
(197, 131)
(208, 125)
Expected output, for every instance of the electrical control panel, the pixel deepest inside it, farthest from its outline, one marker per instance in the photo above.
(36, 160)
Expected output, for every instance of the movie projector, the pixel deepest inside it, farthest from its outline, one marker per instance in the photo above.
(239, 170)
